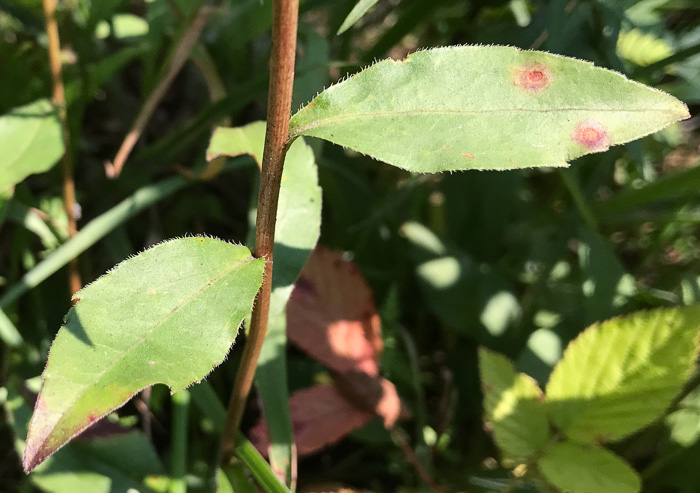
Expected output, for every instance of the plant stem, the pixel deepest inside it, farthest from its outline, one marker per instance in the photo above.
(180, 55)
(59, 99)
(178, 460)
(284, 39)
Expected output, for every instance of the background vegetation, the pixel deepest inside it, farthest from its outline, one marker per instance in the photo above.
(519, 261)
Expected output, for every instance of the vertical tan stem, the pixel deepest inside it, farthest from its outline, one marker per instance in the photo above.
(179, 57)
(284, 39)
(59, 100)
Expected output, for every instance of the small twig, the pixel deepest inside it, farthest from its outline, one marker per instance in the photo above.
(180, 56)
(397, 434)
(59, 99)
(284, 38)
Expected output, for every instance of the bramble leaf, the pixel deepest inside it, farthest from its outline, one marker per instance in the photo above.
(484, 107)
(620, 375)
(168, 315)
(514, 407)
(587, 468)
(31, 142)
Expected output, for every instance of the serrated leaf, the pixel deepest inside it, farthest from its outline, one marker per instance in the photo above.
(31, 141)
(484, 107)
(360, 9)
(620, 375)
(168, 315)
(587, 468)
(514, 408)
(297, 230)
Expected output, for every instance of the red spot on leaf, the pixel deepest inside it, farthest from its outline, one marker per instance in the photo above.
(534, 77)
(470, 156)
(591, 134)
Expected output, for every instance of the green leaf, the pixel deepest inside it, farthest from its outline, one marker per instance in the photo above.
(31, 142)
(297, 231)
(606, 286)
(168, 315)
(619, 376)
(484, 107)
(514, 406)
(358, 11)
(5, 201)
(587, 468)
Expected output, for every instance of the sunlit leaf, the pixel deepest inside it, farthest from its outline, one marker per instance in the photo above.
(31, 142)
(514, 407)
(484, 107)
(331, 315)
(642, 48)
(587, 468)
(168, 315)
(620, 375)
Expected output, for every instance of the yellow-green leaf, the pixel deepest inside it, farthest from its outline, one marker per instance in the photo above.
(587, 468)
(620, 375)
(514, 407)
(31, 142)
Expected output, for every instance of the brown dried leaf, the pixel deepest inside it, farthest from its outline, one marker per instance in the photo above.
(331, 315)
(372, 394)
(320, 417)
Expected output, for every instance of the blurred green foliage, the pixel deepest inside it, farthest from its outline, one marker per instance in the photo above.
(519, 261)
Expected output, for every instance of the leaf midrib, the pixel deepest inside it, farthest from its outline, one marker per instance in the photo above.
(299, 130)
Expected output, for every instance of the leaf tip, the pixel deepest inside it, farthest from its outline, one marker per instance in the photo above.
(34, 454)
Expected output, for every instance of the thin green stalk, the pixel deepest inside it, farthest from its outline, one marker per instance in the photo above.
(579, 200)
(258, 466)
(205, 398)
(180, 432)
(92, 233)
(8, 332)
(661, 64)
(21, 214)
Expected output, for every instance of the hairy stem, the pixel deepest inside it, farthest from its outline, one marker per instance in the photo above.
(59, 99)
(284, 39)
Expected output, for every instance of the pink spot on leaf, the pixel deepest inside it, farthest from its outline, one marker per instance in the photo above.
(470, 156)
(591, 134)
(533, 77)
